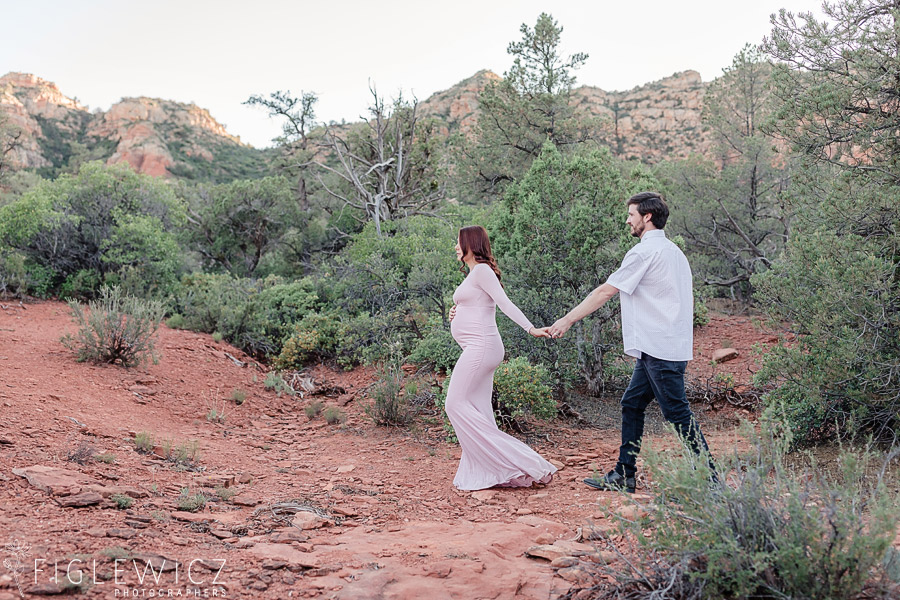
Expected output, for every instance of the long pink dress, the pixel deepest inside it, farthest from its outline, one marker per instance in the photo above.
(489, 456)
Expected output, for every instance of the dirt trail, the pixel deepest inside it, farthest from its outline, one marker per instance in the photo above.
(381, 517)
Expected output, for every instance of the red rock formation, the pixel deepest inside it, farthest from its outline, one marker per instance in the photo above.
(651, 122)
(141, 147)
(142, 128)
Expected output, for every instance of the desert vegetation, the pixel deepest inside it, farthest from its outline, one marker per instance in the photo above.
(340, 251)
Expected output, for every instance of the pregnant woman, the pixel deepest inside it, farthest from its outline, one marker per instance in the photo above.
(489, 456)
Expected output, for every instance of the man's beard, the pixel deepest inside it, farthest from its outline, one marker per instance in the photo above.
(637, 232)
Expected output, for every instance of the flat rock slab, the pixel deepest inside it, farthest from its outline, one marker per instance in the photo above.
(287, 554)
(456, 559)
(157, 562)
(80, 500)
(53, 480)
(111, 490)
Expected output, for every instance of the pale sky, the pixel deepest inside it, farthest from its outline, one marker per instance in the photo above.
(216, 53)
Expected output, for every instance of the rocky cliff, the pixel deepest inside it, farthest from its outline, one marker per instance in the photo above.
(651, 122)
(157, 137)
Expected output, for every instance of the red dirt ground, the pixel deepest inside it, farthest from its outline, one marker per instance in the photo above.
(392, 524)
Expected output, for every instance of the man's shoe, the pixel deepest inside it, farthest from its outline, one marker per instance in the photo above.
(612, 481)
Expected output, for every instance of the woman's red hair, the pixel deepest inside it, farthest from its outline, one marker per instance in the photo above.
(474, 239)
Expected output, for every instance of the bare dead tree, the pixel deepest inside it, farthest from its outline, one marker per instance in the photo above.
(10, 140)
(388, 170)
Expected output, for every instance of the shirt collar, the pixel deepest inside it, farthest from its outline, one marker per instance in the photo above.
(653, 233)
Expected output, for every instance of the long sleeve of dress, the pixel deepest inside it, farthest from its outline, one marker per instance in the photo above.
(487, 280)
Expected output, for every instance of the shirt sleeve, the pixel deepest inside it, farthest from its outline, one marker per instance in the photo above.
(627, 277)
(487, 281)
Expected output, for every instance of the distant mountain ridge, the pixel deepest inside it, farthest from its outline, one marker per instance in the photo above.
(651, 122)
(165, 138)
(156, 137)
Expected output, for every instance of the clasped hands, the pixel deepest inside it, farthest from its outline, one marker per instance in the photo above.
(557, 330)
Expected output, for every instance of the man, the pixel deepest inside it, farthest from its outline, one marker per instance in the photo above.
(656, 293)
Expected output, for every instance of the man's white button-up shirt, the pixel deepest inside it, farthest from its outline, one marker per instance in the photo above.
(657, 297)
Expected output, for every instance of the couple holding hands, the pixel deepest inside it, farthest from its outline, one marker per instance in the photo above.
(655, 289)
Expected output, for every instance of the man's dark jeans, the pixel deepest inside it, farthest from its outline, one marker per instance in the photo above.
(664, 380)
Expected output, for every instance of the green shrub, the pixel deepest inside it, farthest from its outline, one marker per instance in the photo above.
(274, 381)
(121, 501)
(257, 316)
(769, 533)
(333, 415)
(225, 493)
(388, 406)
(331, 335)
(82, 284)
(13, 276)
(437, 349)
(522, 388)
(92, 227)
(190, 502)
(701, 311)
(238, 396)
(143, 442)
(578, 200)
(837, 373)
(115, 329)
(176, 321)
(300, 348)
(390, 286)
(217, 337)
(107, 457)
(313, 409)
(185, 454)
(40, 280)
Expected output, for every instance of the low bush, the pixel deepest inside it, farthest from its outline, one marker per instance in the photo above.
(238, 396)
(388, 405)
(330, 335)
(82, 455)
(80, 285)
(121, 501)
(522, 388)
(437, 349)
(275, 382)
(313, 409)
(226, 493)
(115, 328)
(190, 502)
(333, 415)
(13, 274)
(257, 316)
(107, 457)
(143, 442)
(176, 321)
(769, 532)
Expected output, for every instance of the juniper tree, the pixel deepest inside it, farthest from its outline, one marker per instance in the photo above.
(838, 284)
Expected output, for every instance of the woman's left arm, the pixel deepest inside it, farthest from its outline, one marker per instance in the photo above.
(487, 280)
